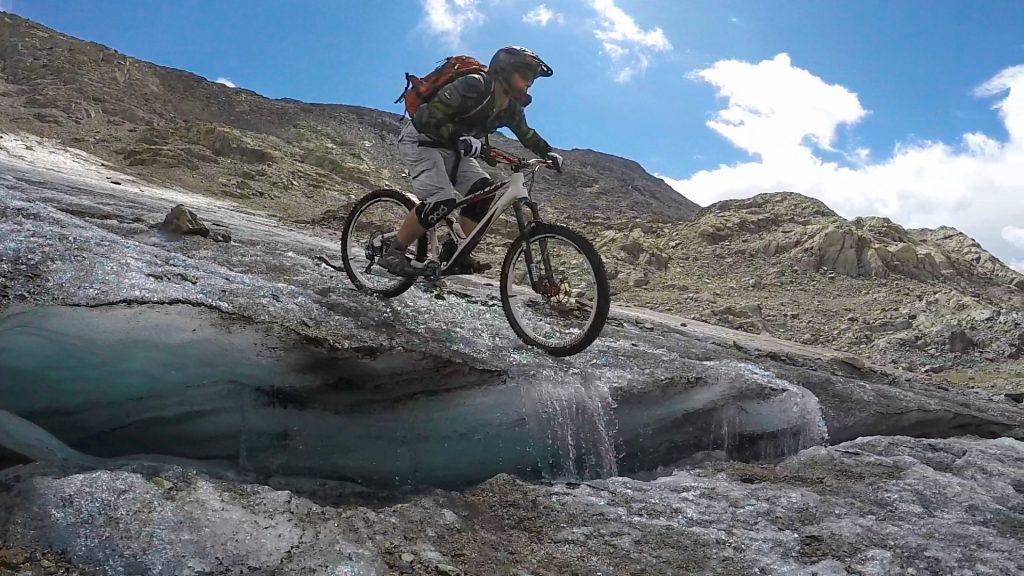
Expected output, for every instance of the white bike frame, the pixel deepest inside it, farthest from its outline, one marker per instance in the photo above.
(515, 189)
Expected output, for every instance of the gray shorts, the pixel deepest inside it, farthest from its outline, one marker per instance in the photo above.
(429, 168)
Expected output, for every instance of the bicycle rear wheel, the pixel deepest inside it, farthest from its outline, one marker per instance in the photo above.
(368, 232)
(567, 310)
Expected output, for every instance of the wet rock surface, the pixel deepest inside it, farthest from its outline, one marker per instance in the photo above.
(621, 407)
(874, 506)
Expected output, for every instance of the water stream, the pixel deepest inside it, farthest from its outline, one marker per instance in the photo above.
(188, 382)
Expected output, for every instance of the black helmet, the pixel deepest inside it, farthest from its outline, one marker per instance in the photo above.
(512, 59)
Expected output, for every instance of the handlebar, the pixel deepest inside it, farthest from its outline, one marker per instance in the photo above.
(494, 156)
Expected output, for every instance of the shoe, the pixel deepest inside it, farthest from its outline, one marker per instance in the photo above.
(468, 265)
(396, 262)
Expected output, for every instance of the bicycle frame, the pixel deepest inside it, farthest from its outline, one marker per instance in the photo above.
(515, 193)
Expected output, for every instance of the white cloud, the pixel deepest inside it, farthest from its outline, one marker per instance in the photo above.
(624, 42)
(449, 18)
(542, 16)
(225, 81)
(773, 106)
(785, 117)
(1014, 235)
(1017, 265)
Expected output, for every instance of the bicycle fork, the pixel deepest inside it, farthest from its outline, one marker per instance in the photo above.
(541, 278)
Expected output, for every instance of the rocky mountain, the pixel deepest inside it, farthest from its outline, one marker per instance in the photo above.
(188, 385)
(292, 158)
(788, 265)
(778, 263)
(811, 236)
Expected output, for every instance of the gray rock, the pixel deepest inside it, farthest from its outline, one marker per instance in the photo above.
(851, 360)
(1017, 347)
(633, 249)
(203, 528)
(960, 342)
(181, 221)
(874, 489)
(639, 279)
(875, 505)
(902, 324)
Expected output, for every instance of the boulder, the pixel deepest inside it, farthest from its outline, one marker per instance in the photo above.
(960, 342)
(632, 248)
(639, 279)
(181, 221)
(1017, 347)
(837, 249)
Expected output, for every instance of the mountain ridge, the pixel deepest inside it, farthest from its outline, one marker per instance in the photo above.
(95, 98)
(779, 262)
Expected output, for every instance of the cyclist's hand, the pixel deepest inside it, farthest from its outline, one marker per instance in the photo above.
(470, 146)
(556, 161)
(487, 156)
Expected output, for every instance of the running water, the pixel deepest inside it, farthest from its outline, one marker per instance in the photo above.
(573, 413)
(764, 429)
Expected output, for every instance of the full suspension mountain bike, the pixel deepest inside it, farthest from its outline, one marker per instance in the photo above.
(553, 285)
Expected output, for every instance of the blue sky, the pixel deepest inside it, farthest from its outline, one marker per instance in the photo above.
(902, 109)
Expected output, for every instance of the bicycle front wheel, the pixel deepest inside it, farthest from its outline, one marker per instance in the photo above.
(566, 309)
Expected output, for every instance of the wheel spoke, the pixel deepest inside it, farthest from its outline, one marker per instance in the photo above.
(560, 316)
(368, 235)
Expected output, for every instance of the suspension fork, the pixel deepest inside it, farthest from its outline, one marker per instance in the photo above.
(539, 279)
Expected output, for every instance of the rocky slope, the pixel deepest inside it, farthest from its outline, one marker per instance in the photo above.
(785, 264)
(924, 300)
(875, 506)
(292, 158)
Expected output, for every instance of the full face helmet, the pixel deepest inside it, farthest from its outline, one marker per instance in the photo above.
(517, 60)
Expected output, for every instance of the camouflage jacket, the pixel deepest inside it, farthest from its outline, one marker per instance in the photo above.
(466, 108)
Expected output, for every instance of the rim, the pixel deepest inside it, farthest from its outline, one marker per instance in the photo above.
(564, 320)
(379, 222)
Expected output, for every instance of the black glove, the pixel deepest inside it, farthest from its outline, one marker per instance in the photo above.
(556, 161)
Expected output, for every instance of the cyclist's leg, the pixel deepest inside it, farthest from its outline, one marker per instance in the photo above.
(430, 183)
(472, 178)
(428, 168)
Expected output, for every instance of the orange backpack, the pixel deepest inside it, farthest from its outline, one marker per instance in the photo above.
(419, 90)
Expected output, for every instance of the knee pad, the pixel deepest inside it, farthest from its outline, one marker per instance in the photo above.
(430, 213)
(477, 210)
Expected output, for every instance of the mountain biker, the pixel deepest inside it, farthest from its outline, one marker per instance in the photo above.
(453, 122)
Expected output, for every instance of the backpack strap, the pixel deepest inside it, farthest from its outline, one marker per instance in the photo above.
(489, 89)
(408, 85)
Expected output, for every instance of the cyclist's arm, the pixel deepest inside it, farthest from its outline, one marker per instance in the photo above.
(526, 135)
(436, 118)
